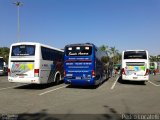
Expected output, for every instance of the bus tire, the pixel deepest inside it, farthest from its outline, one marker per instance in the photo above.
(57, 80)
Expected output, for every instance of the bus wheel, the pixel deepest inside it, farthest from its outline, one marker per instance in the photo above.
(57, 80)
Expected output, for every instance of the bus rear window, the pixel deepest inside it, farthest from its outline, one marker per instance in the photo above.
(23, 50)
(135, 55)
(79, 51)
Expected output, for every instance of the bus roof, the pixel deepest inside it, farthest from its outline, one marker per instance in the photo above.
(81, 44)
(134, 50)
(36, 43)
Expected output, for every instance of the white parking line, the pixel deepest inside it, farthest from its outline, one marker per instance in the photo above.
(153, 84)
(114, 83)
(11, 87)
(52, 90)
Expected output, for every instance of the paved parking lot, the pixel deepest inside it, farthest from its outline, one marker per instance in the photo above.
(108, 101)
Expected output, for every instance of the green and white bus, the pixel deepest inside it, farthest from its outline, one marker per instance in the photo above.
(135, 65)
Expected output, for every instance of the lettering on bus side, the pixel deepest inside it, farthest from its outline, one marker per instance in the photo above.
(83, 71)
(79, 58)
(70, 53)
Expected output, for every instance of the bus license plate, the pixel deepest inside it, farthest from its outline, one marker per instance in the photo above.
(21, 75)
(134, 77)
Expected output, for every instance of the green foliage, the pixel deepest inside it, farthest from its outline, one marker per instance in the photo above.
(113, 53)
(105, 59)
(4, 52)
(155, 58)
(104, 48)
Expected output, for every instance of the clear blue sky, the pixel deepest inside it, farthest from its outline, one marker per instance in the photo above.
(125, 24)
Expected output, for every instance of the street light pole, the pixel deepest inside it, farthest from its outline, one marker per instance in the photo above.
(18, 4)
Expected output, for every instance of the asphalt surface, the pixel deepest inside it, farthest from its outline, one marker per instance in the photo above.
(112, 100)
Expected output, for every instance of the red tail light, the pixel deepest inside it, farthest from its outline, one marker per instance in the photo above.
(123, 71)
(93, 73)
(36, 72)
(9, 71)
(147, 72)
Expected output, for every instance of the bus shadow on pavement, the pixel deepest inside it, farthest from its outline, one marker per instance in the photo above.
(87, 86)
(37, 86)
(43, 115)
(128, 82)
(82, 87)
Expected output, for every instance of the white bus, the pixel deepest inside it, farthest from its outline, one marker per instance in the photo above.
(31, 62)
(135, 65)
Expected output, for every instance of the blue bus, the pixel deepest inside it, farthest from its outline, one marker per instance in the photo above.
(85, 64)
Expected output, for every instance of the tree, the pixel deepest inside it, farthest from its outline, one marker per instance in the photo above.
(104, 48)
(114, 53)
(154, 58)
(118, 57)
(4, 52)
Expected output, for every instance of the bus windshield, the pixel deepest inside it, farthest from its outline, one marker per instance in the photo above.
(135, 55)
(79, 51)
(23, 50)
